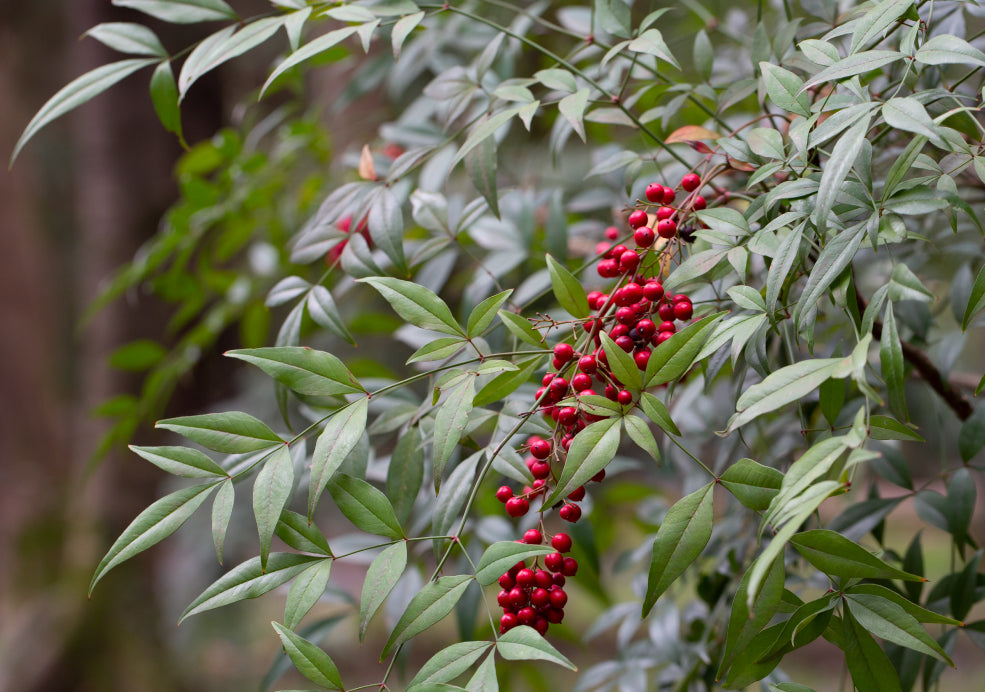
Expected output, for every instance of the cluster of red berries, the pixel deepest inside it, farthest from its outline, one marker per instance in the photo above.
(533, 596)
(638, 316)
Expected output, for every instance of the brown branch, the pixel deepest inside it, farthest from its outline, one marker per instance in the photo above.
(925, 368)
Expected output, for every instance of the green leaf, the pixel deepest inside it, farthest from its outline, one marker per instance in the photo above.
(450, 422)
(870, 668)
(321, 307)
(386, 226)
(499, 557)
(484, 679)
(852, 65)
(430, 605)
(839, 165)
(405, 473)
(181, 11)
(682, 536)
(437, 349)
(743, 623)
(248, 580)
(567, 289)
(453, 495)
(153, 525)
(524, 644)
(164, 95)
(181, 461)
(920, 614)
(874, 22)
(295, 530)
(621, 363)
(402, 29)
(965, 588)
(572, 107)
(77, 92)
(224, 45)
(416, 304)
(676, 355)
(450, 662)
(591, 450)
(657, 412)
(909, 114)
(485, 312)
(222, 511)
(301, 369)
(382, 575)
(890, 622)
(233, 432)
(790, 687)
(309, 50)
(976, 300)
(305, 591)
(886, 428)
(521, 328)
(892, 364)
(556, 79)
(340, 436)
(831, 395)
(480, 164)
(271, 493)
(782, 387)
(785, 89)
(947, 49)
(753, 484)
(309, 659)
(641, 434)
(809, 467)
(834, 554)
(836, 256)
(651, 42)
(507, 383)
(971, 437)
(486, 128)
(126, 37)
(365, 506)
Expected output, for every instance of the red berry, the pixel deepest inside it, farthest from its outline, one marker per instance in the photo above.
(559, 386)
(698, 203)
(576, 495)
(504, 493)
(669, 195)
(570, 513)
(588, 365)
(503, 599)
(541, 449)
(683, 311)
(624, 397)
(570, 567)
(554, 615)
(561, 542)
(641, 358)
(646, 328)
(507, 622)
(681, 298)
(533, 537)
(581, 382)
(584, 392)
(592, 297)
(541, 625)
(662, 337)
(655, 192)
(558, 597)
(608, 269)
(566, 416)
(619, 330)
(541, 469)
(626, 343)
(540, 598)
(644, 236)
(631, 293)
(507, 582)
(626, 316)
(559, 579)
(599, 477)
(548, 378)
(517, 506)
(554, 561)
(616, 251)
(666, 312)
(665, 213)
(667, 228)
(690, 182)
(629, 261)
(526, 616)
(543, 579)
(525, 577)
(611, 392)
(612, 233)
(537, 485)
(653, 290)
(637, 218)
(667, 326)
(564, 352)
(518, 597)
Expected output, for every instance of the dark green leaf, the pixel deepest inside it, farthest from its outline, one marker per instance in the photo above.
(271, 493)
(365, 506)
(382, 575)
(430, 605)
(305, 591)
(295, 530)
(507, 383)
(416, 304)
(784, 89)
(386, 226)
(971, 437)
(834, 554)
(976, 301)
(309, 659)
(886, 428)
(744, 624)
(567, 289)
(890, 622)
(301, 369)
(521, 328)
(893, 365)
(682, 536)
(340, 436)
(321, 306)
(920, 614)
(786, 254)
(233, 432)
(485, 312)
(621, 363)
(437, 349)
(524, 644)
(639, 432)
(499, 557)
(164, 95)
(657, 412)
(753, 484)
(675, 356)
(450, 422)
(453, 495)
(591, 450)
(405, 473)
(153, 525)
(309, 50)
(831, 398)
(869, 666)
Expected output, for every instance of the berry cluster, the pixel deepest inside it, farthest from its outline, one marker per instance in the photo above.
(638, 317)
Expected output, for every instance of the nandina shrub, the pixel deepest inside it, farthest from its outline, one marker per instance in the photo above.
(755, 266)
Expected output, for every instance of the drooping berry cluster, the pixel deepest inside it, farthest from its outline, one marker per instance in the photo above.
(638, 317)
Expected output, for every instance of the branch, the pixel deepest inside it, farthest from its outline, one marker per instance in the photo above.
(925, 367)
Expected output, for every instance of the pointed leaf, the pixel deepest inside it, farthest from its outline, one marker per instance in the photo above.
(744, 624)
(295, 530)
(450, 662)
(499, 557)
(127, 37)
(271, 493)
(893, 365)
(858, 63)
(181, 461)
(524, 644)
(675, 356)
(309, 659)
(657, 412)
(572, 107)
(153, 525)
(621, 363)
(222, 511)
(836, 171)
(233, 432)
(386, 226)
(308, 51)
(651, 42)
(786, 254)
(481, 164)
(782, 387)
(365, 506)
(181, 11)
(164, 95)
(877, 20)
(591, 450)
(430, 605)
(920, 614)
(485, 312)
(301, 369)
(521, 328)
(382, 575)
(947, 49)
(753, 484)
(890, 622)
(485, 129)
(834, 554)
(321, 306)
(682, 536)
(484, 679)
(870, 668)
(641, 434)
(405, 473)
(567, 289)
(450, 422)
(305, 591)
(340, 436)
(402, 29)
(416, 304)
(223, 46)
(785, 89)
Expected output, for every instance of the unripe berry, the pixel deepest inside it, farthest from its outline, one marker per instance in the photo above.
(690, 182)
(653, 290)
(554, 561)
(541, 449)
(507, 622)
(629, 261)
(504, 493)
(611, 232)
(588, 365)
(665, 213)
(581, 382)
(533, 537)
(641, 358)
(683, 311)
(561, 542)
(644, 236)
(517, 506)
(563, 352)
(558, 598)
(637, 218)
(569, 567)
(570, 513)
(624, 397)
(667, 228)
(655, 192)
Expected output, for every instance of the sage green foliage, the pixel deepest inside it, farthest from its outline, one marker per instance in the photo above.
(837, 276)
